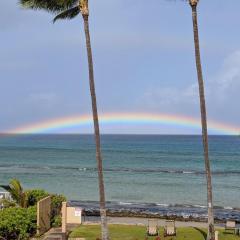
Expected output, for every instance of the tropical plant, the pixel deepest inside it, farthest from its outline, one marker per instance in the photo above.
(68, 9)
(56, 205)
(7, 203)
(17, 193)
(18, 223)
(211, 234)
(35, 195)
(56, 221)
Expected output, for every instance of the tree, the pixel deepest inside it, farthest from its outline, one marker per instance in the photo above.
(68, 9)
(211, 234)
(17, 193)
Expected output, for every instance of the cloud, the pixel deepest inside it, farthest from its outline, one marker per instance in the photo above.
(48, 99)
(221, 90)
(226, 84)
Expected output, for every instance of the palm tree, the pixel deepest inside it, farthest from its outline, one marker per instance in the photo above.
(211, 235)
(68, 9)
(17, 193)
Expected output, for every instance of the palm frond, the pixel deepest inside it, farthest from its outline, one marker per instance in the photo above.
(48, 5)
(15, 190)
(15, 184)
(68, 14)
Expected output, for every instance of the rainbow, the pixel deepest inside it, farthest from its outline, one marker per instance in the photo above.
(123, 119)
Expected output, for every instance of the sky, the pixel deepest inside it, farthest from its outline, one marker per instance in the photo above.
(143, 58)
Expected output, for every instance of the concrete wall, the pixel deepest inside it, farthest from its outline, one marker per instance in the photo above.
(70, 215)
(74, 215)
(43, 215)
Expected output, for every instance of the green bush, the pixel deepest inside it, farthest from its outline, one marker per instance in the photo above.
(57, 221)
(18, 223)
(56, 207)
(7, 203)
(35, 195)
(57, 200)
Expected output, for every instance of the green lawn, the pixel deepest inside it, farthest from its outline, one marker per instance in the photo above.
(123, 232)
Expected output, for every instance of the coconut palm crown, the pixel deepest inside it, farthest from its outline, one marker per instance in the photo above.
(64, 9)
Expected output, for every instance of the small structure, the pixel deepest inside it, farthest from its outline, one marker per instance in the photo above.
(5, 195)
(231, 226)
(152, 229)
(170, 228)
(71, 216)
(43, 215)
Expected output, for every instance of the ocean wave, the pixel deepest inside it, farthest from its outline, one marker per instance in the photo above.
(125, 203)
(159, 210)
(199, 206)
(120, 169)
(188, 172)
(162, 204)
(158, 205)
(228, 208)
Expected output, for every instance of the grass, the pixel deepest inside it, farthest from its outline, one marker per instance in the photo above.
(124, 232)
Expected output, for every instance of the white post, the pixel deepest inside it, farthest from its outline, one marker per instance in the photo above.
(216, 235)
(64, 217)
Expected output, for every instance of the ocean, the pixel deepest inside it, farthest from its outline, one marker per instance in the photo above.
(158, 174)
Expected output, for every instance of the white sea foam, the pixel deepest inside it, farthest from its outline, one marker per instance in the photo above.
(228, 208)
(125, 203)
(162, 204)
(199, 206)
(82, 169)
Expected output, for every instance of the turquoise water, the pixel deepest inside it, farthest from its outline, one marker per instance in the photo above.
(138, 168)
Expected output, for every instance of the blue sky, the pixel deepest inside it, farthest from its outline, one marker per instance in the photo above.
(143, 56)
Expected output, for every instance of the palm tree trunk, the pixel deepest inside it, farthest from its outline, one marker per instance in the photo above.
(211, 234)
(96, 131)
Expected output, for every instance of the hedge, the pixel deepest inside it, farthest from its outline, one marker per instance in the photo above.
(18, 223)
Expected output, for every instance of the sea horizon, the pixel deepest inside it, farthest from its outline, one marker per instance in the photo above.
(127, 134)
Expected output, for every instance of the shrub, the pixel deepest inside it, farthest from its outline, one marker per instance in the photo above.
(18, 223)
(22, 223)
(57, 221)
(56, 207)
(35, 195)
(57, 200)
(7, 203)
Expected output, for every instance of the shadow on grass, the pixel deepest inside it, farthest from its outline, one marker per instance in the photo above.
(202, 232)
(227, 232)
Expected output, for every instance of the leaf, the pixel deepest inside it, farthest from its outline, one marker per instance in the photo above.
(16, 191)
(48, 5)
(68, 14)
